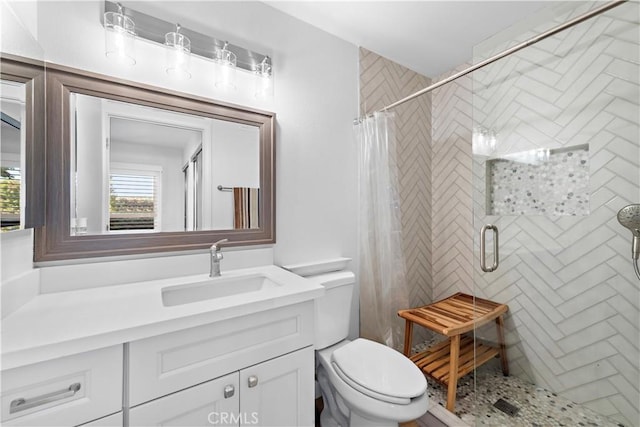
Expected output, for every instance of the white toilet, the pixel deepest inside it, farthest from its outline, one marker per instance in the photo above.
(363, 383)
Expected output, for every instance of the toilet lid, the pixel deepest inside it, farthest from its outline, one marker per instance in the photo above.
(379, 371)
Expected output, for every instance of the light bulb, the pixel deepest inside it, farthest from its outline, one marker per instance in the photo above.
(226, 68)
(264, 79)
(119, 32)
(178, 56)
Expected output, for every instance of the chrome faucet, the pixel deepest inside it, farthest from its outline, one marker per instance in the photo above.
(216, 256)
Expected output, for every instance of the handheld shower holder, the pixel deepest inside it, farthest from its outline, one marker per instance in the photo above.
(629, 217)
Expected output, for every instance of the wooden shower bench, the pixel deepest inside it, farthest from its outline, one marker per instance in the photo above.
(451, 359)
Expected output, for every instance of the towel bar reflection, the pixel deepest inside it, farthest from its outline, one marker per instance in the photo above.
(221, 188)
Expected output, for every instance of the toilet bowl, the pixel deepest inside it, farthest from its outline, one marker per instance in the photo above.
(363, 383)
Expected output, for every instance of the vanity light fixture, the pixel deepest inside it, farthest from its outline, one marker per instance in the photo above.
(120, 36)
(181, 44)
(178, 54)
(226, 69)
(264, 80)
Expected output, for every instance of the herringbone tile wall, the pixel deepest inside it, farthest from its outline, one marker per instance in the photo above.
(452, 201)
(574, 322)
(382, 82)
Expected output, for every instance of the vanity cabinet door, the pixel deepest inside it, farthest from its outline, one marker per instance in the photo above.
(279, 392)
(215, 402)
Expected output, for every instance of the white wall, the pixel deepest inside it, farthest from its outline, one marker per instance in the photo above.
(315, 103)
(18, 29)
(20, 282)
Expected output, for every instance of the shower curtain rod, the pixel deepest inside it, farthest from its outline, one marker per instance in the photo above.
(509, 51)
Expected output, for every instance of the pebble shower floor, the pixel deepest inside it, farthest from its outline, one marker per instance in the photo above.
(537, 407)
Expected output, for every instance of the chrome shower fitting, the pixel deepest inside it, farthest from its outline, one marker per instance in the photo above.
(629, 217)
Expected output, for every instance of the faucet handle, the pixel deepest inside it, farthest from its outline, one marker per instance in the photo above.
(215, 246)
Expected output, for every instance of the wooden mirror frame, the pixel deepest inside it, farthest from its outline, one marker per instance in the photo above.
(32, 74)
(54, 241)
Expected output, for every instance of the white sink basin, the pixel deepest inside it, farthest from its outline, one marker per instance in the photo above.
(217, 287)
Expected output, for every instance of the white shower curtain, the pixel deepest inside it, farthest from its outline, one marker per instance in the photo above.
(382, 275)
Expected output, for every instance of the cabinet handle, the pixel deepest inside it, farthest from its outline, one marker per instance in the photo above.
(229, 391)
(253, 381)
(22, 404)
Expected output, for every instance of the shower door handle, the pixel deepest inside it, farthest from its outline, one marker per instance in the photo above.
(483, 254)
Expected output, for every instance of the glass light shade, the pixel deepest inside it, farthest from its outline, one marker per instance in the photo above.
(120, 37)
(226, 69)
(264, 80)
(483, 142)
(178, 56)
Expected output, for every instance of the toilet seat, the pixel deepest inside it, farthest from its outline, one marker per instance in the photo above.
(378, 371)
(369, 392)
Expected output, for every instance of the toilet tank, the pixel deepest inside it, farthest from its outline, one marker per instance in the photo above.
(333, 310)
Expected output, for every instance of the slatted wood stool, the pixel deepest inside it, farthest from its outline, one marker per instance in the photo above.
(449, 360)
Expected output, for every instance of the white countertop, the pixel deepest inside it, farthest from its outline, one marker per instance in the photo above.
(64, 323)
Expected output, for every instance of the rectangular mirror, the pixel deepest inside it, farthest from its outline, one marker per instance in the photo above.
(143, 169)
(21, 142)
(135, 169)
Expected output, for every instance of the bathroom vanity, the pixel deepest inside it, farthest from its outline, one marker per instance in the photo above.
(233, 350)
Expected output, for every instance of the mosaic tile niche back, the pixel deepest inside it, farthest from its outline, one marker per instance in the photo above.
(540, 182)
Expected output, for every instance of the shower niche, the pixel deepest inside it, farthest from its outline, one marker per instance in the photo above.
(539, 182)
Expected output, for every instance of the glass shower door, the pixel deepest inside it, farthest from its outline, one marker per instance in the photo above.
(556, 154)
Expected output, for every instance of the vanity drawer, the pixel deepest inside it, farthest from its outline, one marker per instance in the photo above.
(67, 391)
(171, 362)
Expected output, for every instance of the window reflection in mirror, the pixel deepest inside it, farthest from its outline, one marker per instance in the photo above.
(12, 158)
(138, 169)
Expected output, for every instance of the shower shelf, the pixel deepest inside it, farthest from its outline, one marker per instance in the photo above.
(434, 361)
